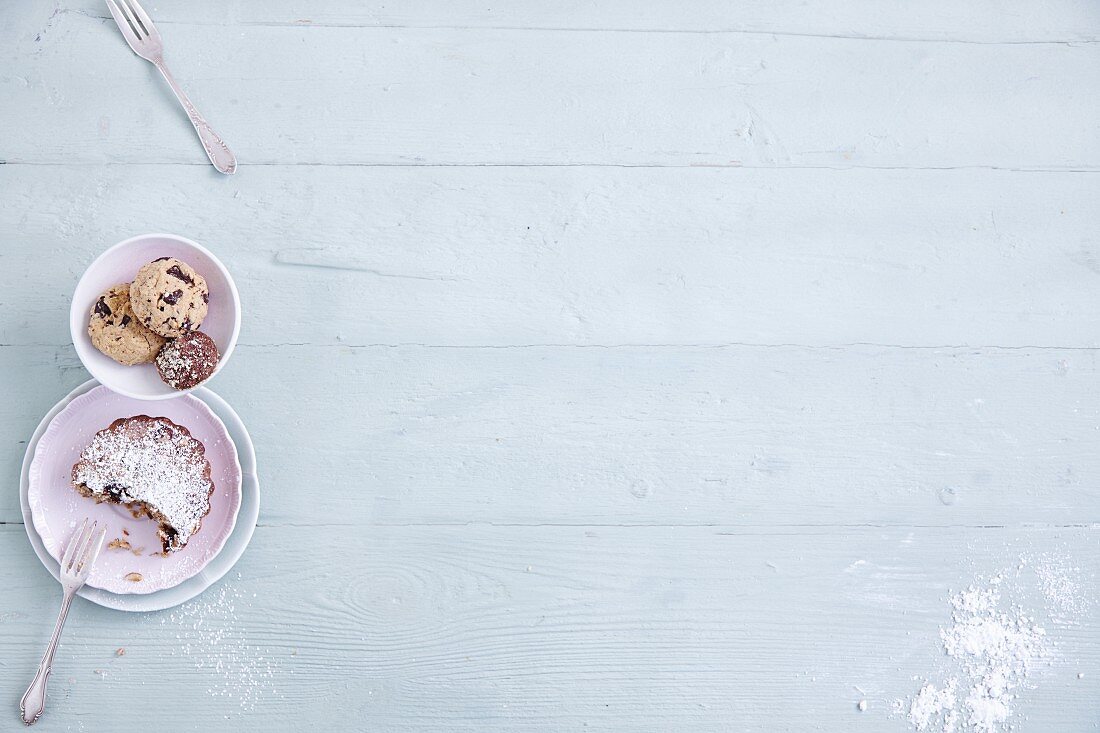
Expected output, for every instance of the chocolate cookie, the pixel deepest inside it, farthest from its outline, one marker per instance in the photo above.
(115, 330)
(188, 361)
(169, 297)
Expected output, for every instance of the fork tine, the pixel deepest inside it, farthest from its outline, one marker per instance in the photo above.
(115, 12)
(70, 550)
(92, 552)
(141, 15)
(82, 549)
(125, 24)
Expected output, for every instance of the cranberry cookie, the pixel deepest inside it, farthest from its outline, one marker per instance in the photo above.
(115, 330)
(169, 297)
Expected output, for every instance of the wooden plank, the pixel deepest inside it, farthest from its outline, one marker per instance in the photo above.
(984, 21)
(427, 96)
(744, 436)
(981, 21)
(547, 628)
(510, 256)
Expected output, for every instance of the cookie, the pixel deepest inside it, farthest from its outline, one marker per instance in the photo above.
(153, 466)
(188, 361)
(169, 297)
(116, 331)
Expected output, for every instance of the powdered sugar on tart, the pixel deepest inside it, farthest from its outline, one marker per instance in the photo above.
(156, 467)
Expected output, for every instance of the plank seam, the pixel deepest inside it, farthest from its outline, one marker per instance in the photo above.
(725, 529)
(586, 164)
(1087, 40)
(701, 346)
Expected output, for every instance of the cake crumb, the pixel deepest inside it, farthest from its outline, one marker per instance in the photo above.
(134, 577)
(118, 544)
(120, 652)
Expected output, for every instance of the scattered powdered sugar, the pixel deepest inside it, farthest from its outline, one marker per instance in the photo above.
(212, 644)
(214, 639)
(1061, 585)
(994, 648)
(188, 360)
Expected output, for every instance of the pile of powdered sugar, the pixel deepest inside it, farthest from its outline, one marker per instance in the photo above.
(993, 648)
(934, 705)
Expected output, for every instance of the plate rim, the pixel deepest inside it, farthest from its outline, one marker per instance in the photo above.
(217, 568)
(39, 456)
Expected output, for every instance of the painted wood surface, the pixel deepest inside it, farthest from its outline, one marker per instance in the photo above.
(518, 256)
(746, 436)
(610, 367)
(546, 628)
(449, 96)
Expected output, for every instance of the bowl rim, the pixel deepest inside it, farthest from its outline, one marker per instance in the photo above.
(74, 313)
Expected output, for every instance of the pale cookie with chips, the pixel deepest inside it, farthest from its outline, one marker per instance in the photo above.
(116, 331)
(169, 297)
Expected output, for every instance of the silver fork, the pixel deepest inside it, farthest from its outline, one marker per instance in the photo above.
(80, 555)
(143, 37)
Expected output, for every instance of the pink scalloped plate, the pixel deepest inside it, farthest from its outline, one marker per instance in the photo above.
(57, 509)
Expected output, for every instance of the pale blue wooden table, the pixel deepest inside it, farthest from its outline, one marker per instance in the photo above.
(611, 366)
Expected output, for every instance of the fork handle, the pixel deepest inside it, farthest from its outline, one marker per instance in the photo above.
(216, 149)
(34, 699)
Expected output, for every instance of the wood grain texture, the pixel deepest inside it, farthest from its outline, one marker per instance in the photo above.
(555, 628)
(516, 256)
(611, 366)
(426, 96)
(987, 21)
(651, 435)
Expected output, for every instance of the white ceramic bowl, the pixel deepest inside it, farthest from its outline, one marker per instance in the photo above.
(120, 264)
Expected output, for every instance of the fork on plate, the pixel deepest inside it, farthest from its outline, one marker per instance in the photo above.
(76, 565)
(144, 38)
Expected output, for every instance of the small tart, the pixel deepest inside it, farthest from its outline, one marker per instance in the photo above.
(154, 467)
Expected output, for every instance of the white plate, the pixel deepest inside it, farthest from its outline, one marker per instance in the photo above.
(221, 564)
(58, 510)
